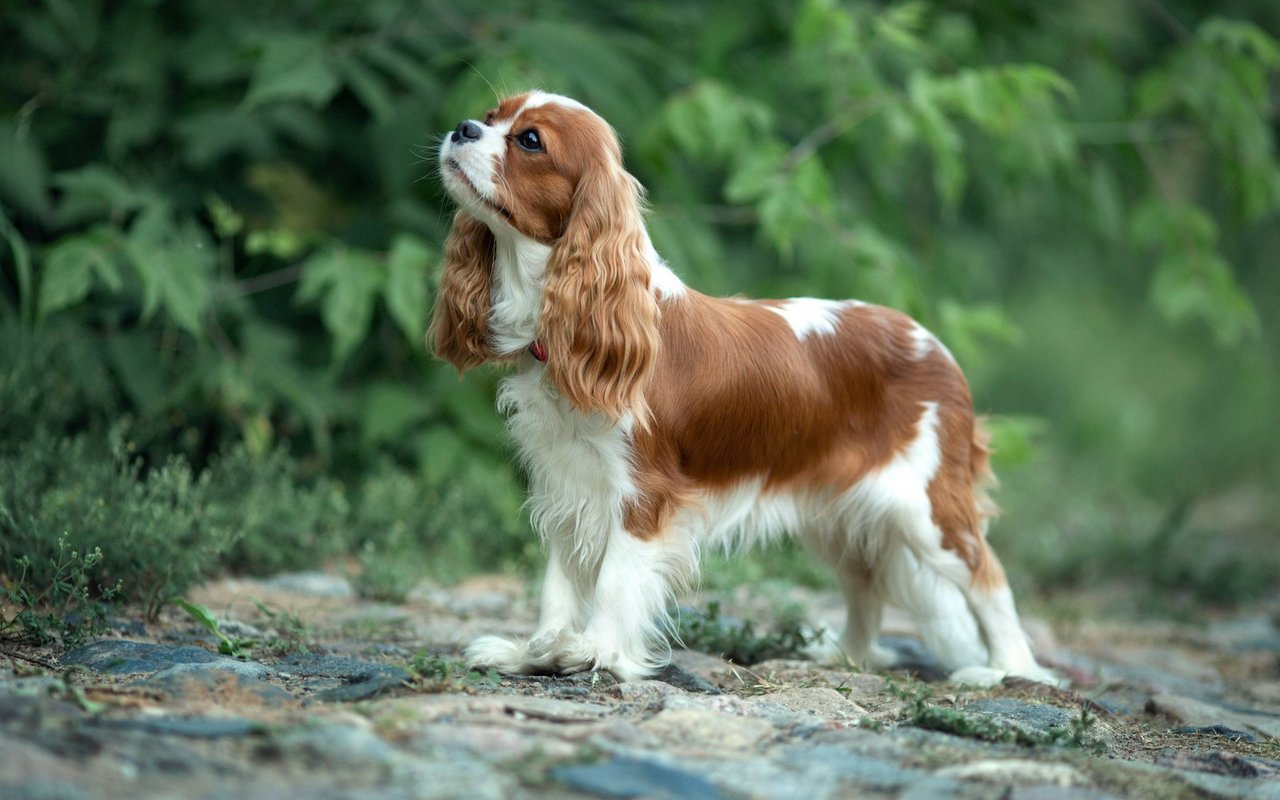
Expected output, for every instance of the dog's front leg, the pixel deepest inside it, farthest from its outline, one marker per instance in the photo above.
(565, 589)
(628, 610)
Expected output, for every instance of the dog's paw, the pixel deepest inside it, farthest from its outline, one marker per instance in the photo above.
(560, 651)
(504, 655)
(986, 677)
(877, 657)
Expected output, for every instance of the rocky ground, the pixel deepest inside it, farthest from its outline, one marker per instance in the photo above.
(332, 696)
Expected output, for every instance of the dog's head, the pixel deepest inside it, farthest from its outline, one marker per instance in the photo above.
(541, 169)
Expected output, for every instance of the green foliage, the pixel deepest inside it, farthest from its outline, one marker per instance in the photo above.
(284, 519)
(214, 223)
(145, 530)
(709, 632)
(430, 674)
(406, 528)
(923, 714)
(233, 646)
(54, 598)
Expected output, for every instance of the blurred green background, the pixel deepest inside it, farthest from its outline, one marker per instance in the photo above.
(220, 226)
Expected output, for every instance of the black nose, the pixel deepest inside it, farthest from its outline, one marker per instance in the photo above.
(467, 131)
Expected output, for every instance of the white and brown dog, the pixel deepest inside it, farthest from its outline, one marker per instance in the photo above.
(655, 421)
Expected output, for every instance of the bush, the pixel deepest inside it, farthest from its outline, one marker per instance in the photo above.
(60, 494)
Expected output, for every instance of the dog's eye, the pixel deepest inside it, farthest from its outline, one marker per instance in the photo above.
(530, 141)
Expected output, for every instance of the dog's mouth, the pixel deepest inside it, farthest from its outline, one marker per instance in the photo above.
(456, 169)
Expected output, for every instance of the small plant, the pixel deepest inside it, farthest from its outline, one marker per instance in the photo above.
(292, 634)
(232, 646)
(62, 608)
(430, 673)
(740, 643)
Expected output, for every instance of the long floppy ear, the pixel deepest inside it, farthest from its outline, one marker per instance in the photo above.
(460, 319)
(599, 320)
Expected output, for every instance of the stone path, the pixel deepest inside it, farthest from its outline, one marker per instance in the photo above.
(338, 697)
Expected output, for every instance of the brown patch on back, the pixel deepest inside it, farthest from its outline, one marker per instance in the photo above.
(736, 395)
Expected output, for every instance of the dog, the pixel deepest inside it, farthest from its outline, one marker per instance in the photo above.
(655, 421)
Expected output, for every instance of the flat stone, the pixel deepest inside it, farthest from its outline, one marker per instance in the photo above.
(816, 702)
(645, 693)
(356, 679)
(1219, 762)
(330, 745)
(217, 681)
(869, 771)
(250, 670)
(1203, 714)
(186, 727)
(1050, 792)
(553, 710)
(309, 584)
(1016, 771)
(124, 657)
(1215, 730)
(1032, 716)
(492, 743)
(635, 777)
(701, 729)
(685, 679)
(1245, 634)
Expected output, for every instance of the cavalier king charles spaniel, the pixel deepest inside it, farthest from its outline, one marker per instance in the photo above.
(655, 421)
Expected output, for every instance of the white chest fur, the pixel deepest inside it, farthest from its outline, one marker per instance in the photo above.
(579, 464)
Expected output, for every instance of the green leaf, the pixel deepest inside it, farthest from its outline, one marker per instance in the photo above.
(96, 191)
(1243, 37)
(965, 328)
(367, 85)
(346, 283)
(22, 266)
(72, 264)
(200, 614)
(24, 178)
(1014, 438)
(405, 292)
(1198, 284)
(293, 67)
(174, 263)
(441, 454)
(391, 411)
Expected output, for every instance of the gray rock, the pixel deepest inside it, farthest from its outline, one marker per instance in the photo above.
(331, 745)
(342, 679)
(635, 777)
(1198, 713)
(806, 703)
(250, 670)
(1015, 771)
(41, 789)
(645, 693)
(216, 678)
(123, 657)
(701, 729)
(186, 727)
(1031, 716)
(311, 584)
(685, 679)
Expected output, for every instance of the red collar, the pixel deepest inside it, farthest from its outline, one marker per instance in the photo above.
(538, 351)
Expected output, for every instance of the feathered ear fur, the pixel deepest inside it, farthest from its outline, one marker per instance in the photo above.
(460, 319)
(599, 318)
